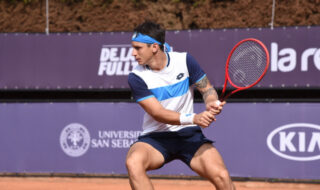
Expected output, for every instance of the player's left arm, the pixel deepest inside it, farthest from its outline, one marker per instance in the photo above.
(209, 95)
(200, 80)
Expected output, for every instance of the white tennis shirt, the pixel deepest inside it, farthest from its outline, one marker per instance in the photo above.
(171, 87)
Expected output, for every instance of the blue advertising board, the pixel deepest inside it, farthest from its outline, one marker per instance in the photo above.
(278, 140)
(103, 60)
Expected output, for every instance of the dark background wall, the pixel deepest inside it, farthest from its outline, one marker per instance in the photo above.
(124, 15)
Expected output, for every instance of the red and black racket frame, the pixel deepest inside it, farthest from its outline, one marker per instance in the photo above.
(227, 78)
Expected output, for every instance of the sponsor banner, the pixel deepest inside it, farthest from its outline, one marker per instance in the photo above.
(255, 139)
(103, 60)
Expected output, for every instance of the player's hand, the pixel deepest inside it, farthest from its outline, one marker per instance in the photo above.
(215, 108)
(204, 119)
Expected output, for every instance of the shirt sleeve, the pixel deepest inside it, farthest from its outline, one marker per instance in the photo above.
(195, 71)
(139, 88)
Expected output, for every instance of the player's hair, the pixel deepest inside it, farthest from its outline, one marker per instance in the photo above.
(153, 30)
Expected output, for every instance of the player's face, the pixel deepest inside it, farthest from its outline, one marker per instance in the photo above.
(142, 52)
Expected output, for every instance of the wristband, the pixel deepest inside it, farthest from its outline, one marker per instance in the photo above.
(186, 118)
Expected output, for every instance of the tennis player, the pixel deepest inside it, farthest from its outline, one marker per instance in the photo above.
(162, 85)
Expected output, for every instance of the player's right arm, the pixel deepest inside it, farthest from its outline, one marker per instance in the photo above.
(152, 106)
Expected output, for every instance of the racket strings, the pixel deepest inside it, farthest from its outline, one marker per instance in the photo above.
(247, 64)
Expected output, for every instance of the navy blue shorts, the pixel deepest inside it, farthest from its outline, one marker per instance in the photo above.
(182, 144)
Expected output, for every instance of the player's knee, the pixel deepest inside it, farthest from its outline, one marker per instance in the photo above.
(130, 163)
(134, 164)
(223, 177)
(224, 174)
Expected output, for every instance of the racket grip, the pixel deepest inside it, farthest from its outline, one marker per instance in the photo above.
(218, 102)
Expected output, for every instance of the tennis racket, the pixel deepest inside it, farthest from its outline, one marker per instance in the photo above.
(246, 65)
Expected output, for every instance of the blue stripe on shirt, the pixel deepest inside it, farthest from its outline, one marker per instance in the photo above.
(171, 91)
(138, 87)
(144, 98)
(201, 78)
(195, 71)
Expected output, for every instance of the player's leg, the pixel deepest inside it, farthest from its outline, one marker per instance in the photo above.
(141, 158)
(208, 163)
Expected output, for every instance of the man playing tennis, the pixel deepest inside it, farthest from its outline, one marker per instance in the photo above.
(161, 84)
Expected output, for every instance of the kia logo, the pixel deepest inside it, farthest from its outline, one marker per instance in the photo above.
(296, 141)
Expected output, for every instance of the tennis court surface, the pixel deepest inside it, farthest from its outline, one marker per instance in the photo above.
(71, 183)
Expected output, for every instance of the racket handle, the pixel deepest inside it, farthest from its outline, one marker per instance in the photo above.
(218, 102)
